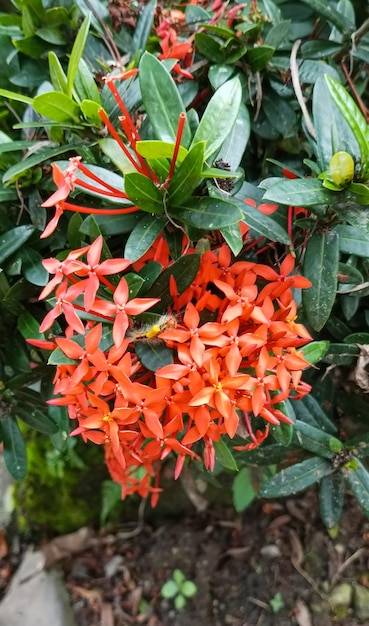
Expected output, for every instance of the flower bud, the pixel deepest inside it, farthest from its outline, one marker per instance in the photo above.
(341, 168)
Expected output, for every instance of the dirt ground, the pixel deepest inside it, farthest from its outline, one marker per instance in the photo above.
(273, 566)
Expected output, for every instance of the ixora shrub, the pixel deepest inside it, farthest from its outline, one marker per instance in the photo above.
(171, 266)
(178, 343)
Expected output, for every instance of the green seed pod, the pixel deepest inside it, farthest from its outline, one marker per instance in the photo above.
(341, 168)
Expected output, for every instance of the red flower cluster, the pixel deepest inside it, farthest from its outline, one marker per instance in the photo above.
(233, 338)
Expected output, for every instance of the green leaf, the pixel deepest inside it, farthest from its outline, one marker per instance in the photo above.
(298, 192)
(183, 271)
(179, 602)
(263, 224)
(269, 454)
(353, 117)
(14, 172)
(15, 455)
(358, 479)
(84, 84)
(57, 357)
(143, 193)
(149, 273)
(316, 440)
(296, 478)
(36, 419)
(143, 27)
(188, 588)
(331, 498)
(320, 267)
(280, 114)
(57, 106)
(243, 490)
(76, 54)
(111, 495)
(352, 240)
(232, 235)
(13, 239)
(188, 176)
(90, 110)
(28, 326)
(219, 116)
(32, 267)
(57, 74)
(234, 146)
(143, 236)
(283, 433)
(13, 95)
(161, 99)
(169, 590)
(224, 455)
(155, 149)
(112, 150)
(314, 351)
(331, 14)
(278, 34)
(259, 57)
(208, 213)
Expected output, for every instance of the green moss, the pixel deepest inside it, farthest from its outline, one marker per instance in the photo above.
(62, 489)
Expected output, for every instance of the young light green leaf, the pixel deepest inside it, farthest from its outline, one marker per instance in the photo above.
(57, 106)
(76, 53)
(353, 117)
(154, 149)
(57, 74)
(219, 116)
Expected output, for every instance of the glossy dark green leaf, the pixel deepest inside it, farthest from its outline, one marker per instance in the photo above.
(352, 240)
(36, 419)
(233, 147)
(296, 478)
(280, 114)
(183, 271)
(13, 239)
(278, 34)
(319, 49)
(14, 452)
(358, 479)
(316, 440)
(232, 236)
(219, 74)
(57, 357)
(44, 154)
(282, 433)
(259, 57)
(76, 53)
(219, 116)
(28, 326)
(153, 354)
(208, 213)
(263, 224)
(331, 496)
(320, 267)
(161, 99)
(143, 236)
(341, 354)
(330, 13)
(309, 411)
(143, 193)
(269, 454)
(188, 176)
(143, 27)
(354, 118)
(243, 490)
(32, 267)
(298, 192)
(57, 106)
(224, 456)
(150, 272)
(210, 47)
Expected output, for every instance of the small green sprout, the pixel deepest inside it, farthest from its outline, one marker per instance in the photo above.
(178, 589)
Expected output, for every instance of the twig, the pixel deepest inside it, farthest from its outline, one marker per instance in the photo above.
(308, 578)
(361, 104)
(360, 32)
(297, 87)
(346, 563)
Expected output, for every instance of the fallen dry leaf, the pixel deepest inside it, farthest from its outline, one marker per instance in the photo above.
(62, 547)
(302, 614)
(3, 545)
(106, 615)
